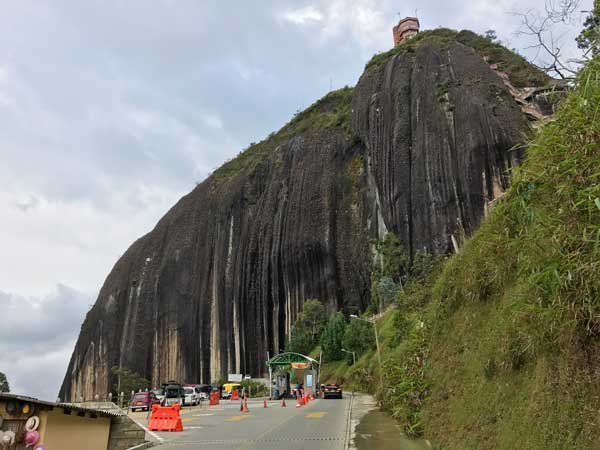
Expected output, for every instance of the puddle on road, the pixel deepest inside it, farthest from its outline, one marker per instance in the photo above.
(377, 431)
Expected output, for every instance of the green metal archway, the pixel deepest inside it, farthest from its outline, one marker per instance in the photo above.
(293, 363)
(287, 358)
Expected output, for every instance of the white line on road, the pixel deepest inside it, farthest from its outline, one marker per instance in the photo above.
(151, 433)
(348, 423)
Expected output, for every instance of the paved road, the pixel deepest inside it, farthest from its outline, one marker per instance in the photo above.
(320, 425)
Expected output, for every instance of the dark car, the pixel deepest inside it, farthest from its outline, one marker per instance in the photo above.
(174, 394)
(144, 401)
(203, 390)
(331, 391)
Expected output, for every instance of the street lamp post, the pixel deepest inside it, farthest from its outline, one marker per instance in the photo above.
(353, 355)
(373, 322)
(353, 364)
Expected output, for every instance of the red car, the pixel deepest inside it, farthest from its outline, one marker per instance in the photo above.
(331, 390)
(144, 401)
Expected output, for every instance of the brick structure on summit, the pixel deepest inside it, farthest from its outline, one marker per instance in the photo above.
(406, 28)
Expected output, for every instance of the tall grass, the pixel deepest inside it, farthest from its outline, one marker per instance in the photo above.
(502, 350)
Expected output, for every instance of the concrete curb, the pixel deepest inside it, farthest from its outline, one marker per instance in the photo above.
(349, 424)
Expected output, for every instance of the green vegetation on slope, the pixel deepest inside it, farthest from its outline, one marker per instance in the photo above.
(521, 72)
(501, 349)
(332, 111)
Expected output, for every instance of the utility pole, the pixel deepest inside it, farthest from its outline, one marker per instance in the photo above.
(373, 322)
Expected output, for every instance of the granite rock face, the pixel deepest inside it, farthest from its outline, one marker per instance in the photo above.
(418, 148)
(439, 126)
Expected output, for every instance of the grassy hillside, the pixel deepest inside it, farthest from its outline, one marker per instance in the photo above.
(499, 348)
(521, 72)
(332, 111)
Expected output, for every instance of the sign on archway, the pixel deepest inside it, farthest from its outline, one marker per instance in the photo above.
(290, 367)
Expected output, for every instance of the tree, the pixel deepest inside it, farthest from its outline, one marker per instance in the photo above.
(359, 337)
(332, 339)
(312, 318)
(4, 387)
(395, 259)
(541, 27)
(300, 340)
(491, 35)
(387, 292)
(127, 381)
(307, 329)
(423, 264)
(589, 39)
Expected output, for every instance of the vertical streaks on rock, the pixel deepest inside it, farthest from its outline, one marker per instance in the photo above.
(220, 280)
(438, 125)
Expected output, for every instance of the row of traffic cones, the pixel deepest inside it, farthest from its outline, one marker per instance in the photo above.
(300, 401)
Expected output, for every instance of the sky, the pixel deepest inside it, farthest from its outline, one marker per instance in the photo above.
(111, 110)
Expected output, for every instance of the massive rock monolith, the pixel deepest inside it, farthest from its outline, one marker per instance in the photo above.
(419, 147)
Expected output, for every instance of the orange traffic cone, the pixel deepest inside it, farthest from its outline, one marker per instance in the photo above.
(245, 406)
(264, 403)
(298, 401)
(283, 405)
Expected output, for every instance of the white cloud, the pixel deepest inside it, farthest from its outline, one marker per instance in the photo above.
(212, 120)
(248, 72)
(37, 336)
(71, 241)
(363, 20)
(303, 16)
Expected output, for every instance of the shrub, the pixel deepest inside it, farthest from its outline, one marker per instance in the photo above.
(332, 339)
(359, 337)
(255, 388)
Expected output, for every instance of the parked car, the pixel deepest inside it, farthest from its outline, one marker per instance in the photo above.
(229, 387)
(331, 391)
(203, 391)
(160, 394)
(174, 394)
(144, 401)
(191, 397)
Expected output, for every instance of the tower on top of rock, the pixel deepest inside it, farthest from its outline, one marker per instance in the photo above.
(406, 28)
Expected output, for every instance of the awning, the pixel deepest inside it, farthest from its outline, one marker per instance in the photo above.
(292, 360)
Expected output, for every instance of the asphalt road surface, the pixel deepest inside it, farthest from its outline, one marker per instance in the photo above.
(320, 425)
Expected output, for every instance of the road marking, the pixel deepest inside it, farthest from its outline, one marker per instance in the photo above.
(151, 433)
(316, 415)
(246, 444)
(236, 418)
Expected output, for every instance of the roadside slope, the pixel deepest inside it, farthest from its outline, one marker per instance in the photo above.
(515, 348)
(499, 347)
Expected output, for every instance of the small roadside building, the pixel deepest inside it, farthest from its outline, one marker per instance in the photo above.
(288, 369)
(29, 423)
